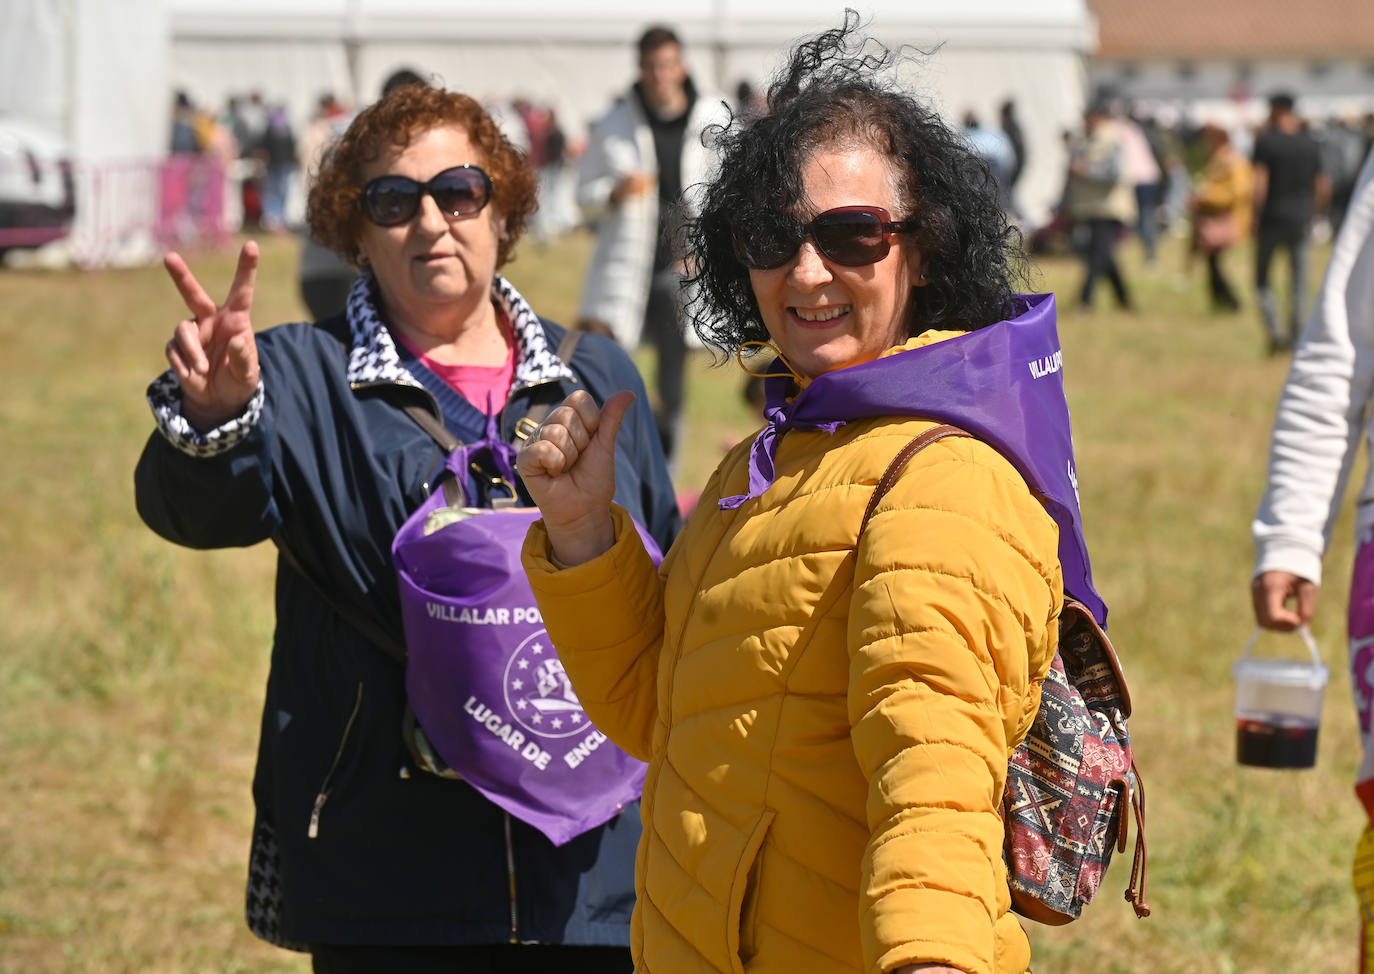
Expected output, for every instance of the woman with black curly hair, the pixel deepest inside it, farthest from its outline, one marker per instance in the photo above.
(828, 695)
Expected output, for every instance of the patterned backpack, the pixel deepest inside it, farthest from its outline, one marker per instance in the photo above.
(1072, 783)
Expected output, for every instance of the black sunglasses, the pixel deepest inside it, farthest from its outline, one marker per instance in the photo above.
(389, 201)
(848, 235)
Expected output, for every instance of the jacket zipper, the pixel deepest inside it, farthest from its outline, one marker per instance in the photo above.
(510, 872)
(323, 796)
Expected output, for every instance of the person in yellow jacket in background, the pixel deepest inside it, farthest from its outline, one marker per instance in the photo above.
(1221, 207)
(828, 700)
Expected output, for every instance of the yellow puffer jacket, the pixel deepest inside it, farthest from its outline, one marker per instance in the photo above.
(1227, 186)
(827, 727)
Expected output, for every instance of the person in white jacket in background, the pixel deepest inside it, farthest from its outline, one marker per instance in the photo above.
(1323, 413)
(634, 184)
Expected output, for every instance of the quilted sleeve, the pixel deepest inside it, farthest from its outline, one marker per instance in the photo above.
(597, 170)
(1321, 413)
(953, 624)
(606, 619)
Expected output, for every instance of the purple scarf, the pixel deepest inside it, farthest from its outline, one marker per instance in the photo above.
(1002, 383)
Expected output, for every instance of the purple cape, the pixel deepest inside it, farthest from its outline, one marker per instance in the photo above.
(1003, 383)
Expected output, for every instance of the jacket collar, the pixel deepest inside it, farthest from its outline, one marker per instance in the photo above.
(642, 103)
(373, 358)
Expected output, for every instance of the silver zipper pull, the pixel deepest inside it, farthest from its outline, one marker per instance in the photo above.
(314, 830)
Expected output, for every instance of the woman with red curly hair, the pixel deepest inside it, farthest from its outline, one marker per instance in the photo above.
(301, 435)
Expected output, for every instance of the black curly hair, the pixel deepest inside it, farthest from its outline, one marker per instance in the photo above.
(831, 94)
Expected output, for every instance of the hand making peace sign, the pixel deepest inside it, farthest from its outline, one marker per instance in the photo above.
(214, 353)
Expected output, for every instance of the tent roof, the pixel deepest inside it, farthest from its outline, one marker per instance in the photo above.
(644, 11)
(1064, 23)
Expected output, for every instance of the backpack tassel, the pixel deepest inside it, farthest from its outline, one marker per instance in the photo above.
(1135, 892)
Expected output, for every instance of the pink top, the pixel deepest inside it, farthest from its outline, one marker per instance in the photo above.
(475, 383)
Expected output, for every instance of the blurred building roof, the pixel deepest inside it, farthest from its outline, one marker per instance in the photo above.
(1234, 28)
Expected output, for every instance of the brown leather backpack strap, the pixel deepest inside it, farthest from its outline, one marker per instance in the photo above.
(431, 424)
(526, 425)
(899, 462)
(568, 345)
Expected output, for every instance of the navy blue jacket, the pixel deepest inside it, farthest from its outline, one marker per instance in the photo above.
(368, 849)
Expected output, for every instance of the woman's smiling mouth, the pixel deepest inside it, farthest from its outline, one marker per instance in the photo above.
(821, 316)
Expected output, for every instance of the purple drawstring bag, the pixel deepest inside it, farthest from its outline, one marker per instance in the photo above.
(483, 680)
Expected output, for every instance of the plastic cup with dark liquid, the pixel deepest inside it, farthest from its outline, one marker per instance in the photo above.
(1279, 707)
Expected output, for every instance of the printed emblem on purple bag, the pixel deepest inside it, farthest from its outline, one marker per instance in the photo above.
(539, 701)
(539, 693)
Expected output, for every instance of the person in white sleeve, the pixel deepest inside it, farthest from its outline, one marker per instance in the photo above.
(1323, 414)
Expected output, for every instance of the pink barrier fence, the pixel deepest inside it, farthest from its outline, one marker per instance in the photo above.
(123, 212)
(191, 201)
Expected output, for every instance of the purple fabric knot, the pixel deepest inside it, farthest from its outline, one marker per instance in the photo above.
(778, 419)
(498, 454)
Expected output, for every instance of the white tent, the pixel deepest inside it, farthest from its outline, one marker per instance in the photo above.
(90, 72)
(92, 76)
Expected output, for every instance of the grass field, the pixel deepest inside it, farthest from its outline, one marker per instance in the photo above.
(131, 672)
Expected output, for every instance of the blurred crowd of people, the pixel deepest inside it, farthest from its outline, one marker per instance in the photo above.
(273, 154)
(272, 149)
(257, 142)
(1283, 183)
(1128, 174)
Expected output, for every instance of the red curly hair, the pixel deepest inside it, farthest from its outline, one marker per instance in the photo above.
(333, 209)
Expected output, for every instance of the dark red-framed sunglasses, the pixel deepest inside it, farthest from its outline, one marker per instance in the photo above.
(848, 235)
(389, 201)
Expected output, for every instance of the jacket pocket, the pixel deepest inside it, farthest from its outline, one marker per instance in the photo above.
(742, 918)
